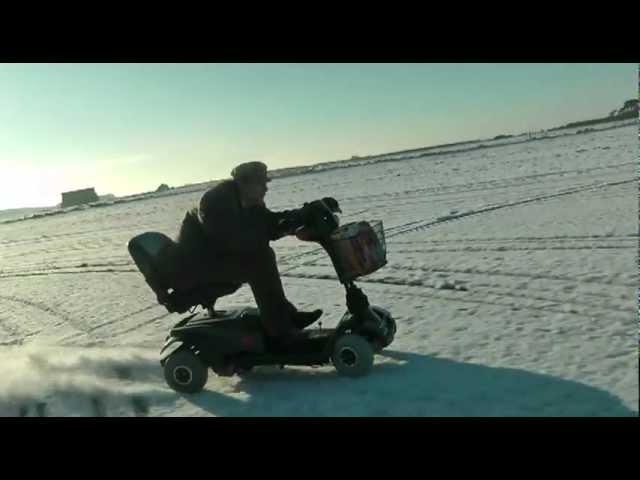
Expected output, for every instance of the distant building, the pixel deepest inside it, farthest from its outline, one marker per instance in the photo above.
(79, 197)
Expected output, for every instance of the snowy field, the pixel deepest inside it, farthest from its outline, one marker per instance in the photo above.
(512, 275)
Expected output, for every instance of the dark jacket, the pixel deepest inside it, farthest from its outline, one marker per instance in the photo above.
(222, 225)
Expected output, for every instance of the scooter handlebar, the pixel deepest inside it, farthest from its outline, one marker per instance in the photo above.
(320, 222)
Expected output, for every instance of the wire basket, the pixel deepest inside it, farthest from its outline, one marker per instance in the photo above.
(358, 249)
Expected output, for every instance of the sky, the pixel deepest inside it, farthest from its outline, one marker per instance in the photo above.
(126, 128)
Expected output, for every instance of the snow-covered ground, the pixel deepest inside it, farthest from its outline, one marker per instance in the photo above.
(512, 274)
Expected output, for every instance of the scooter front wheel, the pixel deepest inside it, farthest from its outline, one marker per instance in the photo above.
(185, 372)
(352, 355)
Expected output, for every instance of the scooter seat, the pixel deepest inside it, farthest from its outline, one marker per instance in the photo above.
(147, 250)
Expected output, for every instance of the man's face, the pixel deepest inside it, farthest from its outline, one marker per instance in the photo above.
(254, 192)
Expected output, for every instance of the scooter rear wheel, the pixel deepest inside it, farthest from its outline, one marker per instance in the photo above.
(185, 372)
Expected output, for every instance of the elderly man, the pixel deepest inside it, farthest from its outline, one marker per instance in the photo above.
(228, 241)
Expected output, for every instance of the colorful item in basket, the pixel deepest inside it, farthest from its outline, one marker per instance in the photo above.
(358, 250)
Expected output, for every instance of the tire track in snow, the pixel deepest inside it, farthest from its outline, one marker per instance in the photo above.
(517, 249)
(473, 271)
(84, 262)
(513, 306)
(122, 332)
(42, 307)
(78, 270)
(421, 224)
(504, 292)
(141, 325)
(16, 334)
(57, 236)
(20, 340)
(73, 272)
(421, 293)
(490, 184)
(123, 317)
(590, 306)
(488, 290)
(449, 218)
(61, 251)
(489, 273)
(80, 327)
(127, 316)
(477, 195)
(561, 238)
(82, 265)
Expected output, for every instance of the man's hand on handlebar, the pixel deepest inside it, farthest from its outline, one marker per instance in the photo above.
(332, 203)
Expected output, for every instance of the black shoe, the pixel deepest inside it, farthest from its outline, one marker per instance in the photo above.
(302, 320)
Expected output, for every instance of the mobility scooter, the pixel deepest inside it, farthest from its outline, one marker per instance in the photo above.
(233, 341)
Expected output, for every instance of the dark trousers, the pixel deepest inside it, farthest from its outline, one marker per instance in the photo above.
(260, 271)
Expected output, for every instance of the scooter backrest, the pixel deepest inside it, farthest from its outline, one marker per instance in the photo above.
(144, 250)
